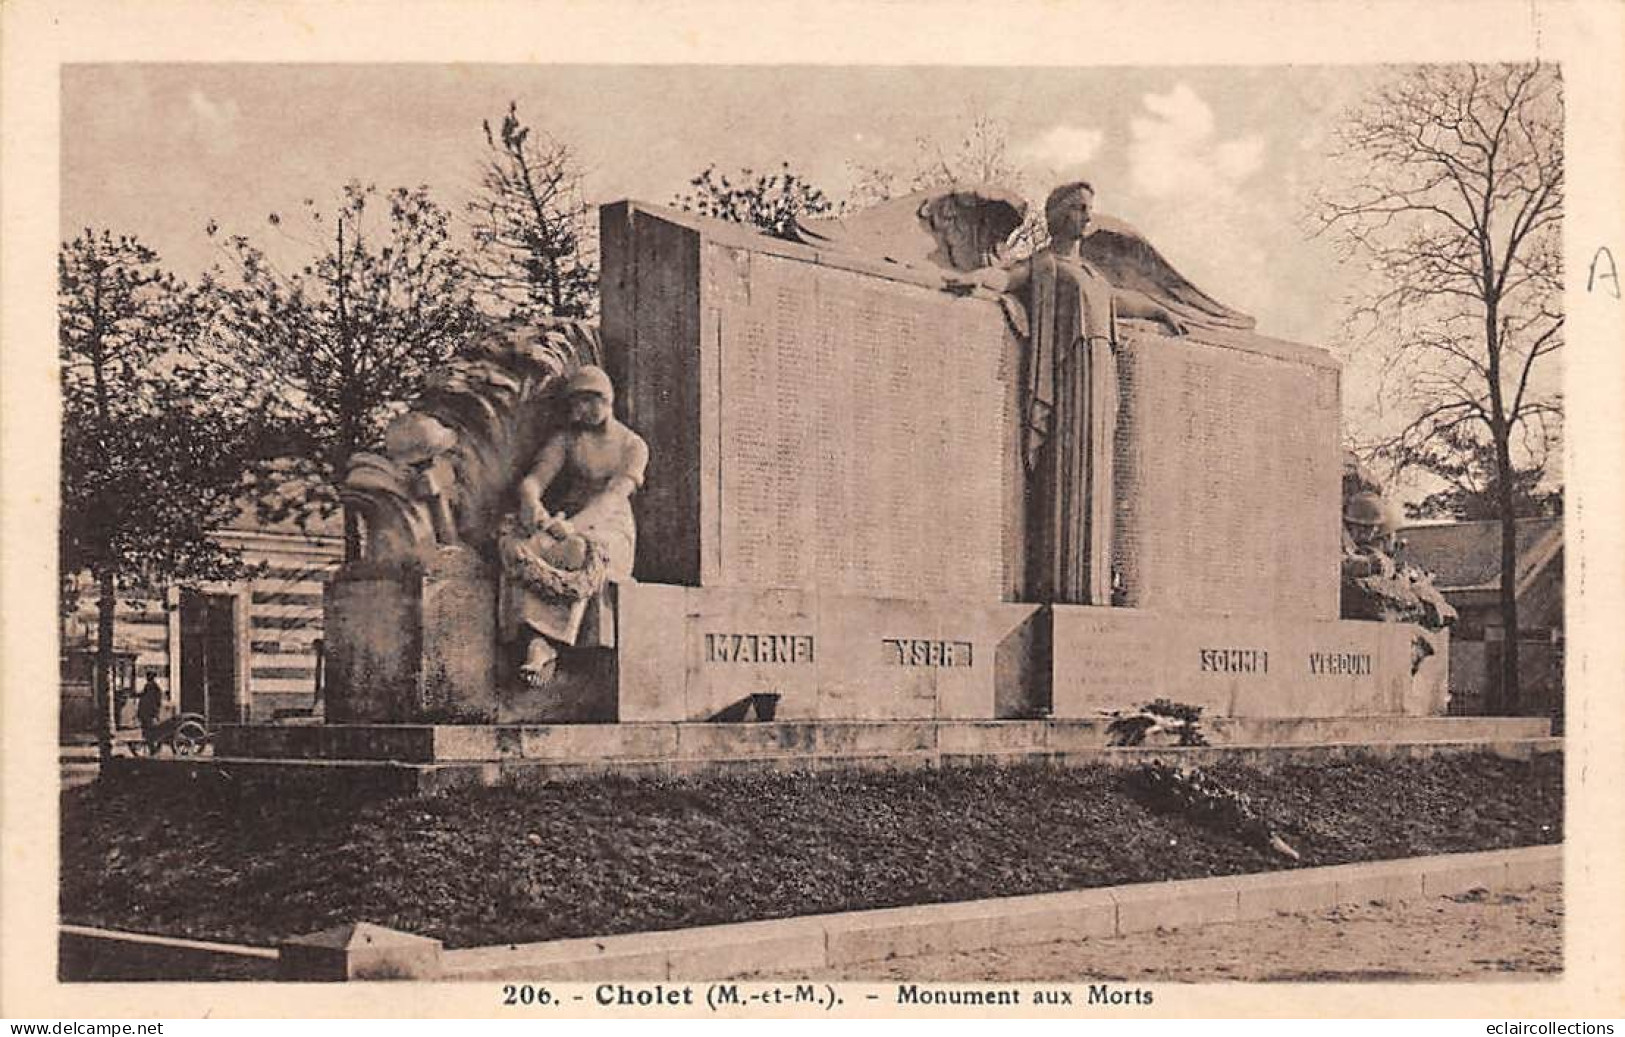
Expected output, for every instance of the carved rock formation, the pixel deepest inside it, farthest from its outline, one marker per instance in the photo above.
(450, 463)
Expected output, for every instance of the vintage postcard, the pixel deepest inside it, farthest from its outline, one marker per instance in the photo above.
(718, 510)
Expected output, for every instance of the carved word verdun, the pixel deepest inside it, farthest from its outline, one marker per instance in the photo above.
(1340, 664)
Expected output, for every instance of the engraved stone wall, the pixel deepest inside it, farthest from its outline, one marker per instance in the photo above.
(821, 422)
(813, 423)
(1241, 666)
(1227, 476)
(860, 431)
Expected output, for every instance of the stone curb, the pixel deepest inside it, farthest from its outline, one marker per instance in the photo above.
(834, 941)
(87, 953)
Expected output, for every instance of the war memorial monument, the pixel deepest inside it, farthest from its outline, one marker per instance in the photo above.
(873, 497)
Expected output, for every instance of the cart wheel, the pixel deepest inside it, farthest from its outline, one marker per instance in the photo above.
(189, 738)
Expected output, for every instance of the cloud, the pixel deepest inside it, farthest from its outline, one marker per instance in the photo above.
(1064, 147)
(1175, 150)
(1186, 176)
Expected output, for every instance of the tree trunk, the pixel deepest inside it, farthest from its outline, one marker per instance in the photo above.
(1511, 698)
(102, 681)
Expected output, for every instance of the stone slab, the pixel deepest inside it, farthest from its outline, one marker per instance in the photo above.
(373, 630)
(407, 646)
(700, 653)
(564, 743)
(1233, 666)
(1227, 476)
(1176, 905)
(898, 736)
(1263, 896)
(798, 947)
(605, 741)
(393, 778)
(1376, 881)
(458, 668)
(565, 961)
(821, 425)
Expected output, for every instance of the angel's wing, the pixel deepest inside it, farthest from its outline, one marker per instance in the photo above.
(1128, 260)
(955, 227)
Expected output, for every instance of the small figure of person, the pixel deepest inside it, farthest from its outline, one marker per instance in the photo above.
(554, 561)
(1368, 532)
(149, 707)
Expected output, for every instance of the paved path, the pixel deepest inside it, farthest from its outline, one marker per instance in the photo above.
(1472, 936)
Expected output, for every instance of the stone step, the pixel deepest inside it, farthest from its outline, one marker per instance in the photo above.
(579, 743)
(77, 775)
(402, 778)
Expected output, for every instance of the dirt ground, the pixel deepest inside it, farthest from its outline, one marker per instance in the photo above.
(1474, 936)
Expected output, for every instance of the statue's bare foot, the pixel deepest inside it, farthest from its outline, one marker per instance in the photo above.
(541, 661)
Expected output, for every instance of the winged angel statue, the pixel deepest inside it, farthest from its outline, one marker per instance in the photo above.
(1065, 302)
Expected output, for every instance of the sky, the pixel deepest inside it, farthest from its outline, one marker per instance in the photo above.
(1214, 166)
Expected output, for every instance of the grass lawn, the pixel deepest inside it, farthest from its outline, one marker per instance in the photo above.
(500, 865)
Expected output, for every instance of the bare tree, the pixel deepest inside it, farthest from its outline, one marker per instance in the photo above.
(1450, 191)
(532, 227)
(981, 155)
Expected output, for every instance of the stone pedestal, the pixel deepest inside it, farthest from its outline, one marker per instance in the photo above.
(414, 645)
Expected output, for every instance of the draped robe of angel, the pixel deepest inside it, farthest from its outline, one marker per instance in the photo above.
(1065, 302)
(1074, 295)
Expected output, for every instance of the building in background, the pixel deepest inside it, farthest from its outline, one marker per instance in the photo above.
(1465, 559)
(234, 652)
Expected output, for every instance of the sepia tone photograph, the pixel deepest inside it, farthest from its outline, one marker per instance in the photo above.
(862, 537)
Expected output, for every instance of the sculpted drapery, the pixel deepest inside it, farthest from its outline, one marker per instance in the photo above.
(1069, 383)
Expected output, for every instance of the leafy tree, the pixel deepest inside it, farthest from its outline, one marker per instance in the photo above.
(768, 201)
(1471, 492)
(532, 228)
(1449, 189)
(341, 342)
(157, 443)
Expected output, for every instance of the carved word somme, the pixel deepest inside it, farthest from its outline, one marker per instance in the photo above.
(1235, 660)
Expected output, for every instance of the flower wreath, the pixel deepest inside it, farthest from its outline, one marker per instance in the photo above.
(522, 562)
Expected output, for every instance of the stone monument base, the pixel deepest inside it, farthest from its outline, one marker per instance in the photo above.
(706, 654)
(666, 653)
